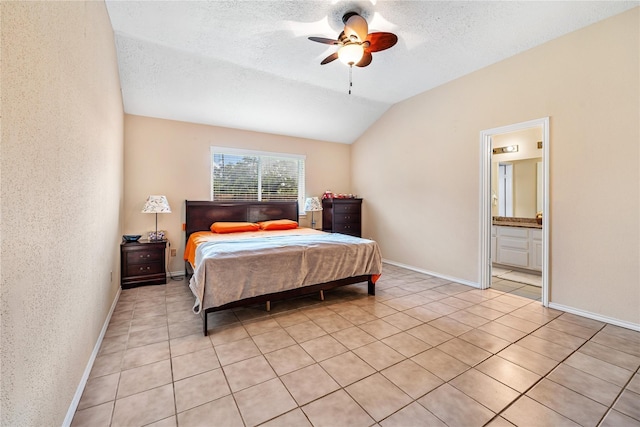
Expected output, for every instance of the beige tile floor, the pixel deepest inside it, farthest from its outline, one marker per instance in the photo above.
(423, 351)
(517, 288)
(522, 276)
(517, 282)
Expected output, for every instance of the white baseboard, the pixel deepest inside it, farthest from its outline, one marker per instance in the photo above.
(595, 316)
(85, 377)
(432, 273)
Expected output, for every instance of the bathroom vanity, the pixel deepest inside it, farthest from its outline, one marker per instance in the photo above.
(517, 242)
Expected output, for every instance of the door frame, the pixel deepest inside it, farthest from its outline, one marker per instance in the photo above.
(486, 153)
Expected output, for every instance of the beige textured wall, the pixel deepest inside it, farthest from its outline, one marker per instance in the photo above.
(418, 166)
(61, 200)
(173, 158)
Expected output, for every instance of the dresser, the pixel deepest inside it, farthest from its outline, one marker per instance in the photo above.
(342, 216)
(142, 263)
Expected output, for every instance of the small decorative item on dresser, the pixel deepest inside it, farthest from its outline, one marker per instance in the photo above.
(157, 235)
(131, 237)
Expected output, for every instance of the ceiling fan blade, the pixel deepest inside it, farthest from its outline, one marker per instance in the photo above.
(330, 58)
(381, 41)
(323, 40)
(366, 59)
(355, 27)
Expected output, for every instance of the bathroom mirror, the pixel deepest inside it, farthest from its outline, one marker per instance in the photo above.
(516, 173)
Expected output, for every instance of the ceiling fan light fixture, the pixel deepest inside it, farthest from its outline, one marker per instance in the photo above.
(351, 54)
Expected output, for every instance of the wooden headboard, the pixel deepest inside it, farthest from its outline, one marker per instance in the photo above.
(201, 214)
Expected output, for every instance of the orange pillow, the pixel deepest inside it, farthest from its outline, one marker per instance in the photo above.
(278, 224)
(233, 227)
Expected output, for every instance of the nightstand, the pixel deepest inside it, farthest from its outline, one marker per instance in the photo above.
(142, 263)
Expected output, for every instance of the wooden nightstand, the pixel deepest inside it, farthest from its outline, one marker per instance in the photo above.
(142, 263)
(342, 216)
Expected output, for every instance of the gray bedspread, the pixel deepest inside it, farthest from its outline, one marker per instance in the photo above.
(231, 270)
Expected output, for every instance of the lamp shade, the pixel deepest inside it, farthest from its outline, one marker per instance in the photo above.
(312, 204)
(156, 204)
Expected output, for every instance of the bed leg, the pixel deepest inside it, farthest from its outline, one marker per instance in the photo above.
(321, 295)
(371, 286)
(204, 323)
(188, 272)
(268, 305)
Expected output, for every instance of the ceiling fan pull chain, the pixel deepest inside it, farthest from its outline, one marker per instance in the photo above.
(350, 77)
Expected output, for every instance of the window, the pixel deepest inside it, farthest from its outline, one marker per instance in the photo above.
(253, 175)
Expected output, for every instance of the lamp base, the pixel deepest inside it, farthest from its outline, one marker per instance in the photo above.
(158, 235)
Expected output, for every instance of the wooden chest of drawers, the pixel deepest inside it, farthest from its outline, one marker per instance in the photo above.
(142, 263)
(342, 216)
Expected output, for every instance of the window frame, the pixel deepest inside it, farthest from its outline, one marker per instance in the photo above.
(259, 153)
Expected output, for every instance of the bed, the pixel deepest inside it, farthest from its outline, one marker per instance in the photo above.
(265, 266)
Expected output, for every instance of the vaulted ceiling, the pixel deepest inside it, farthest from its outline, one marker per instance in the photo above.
(249, 64)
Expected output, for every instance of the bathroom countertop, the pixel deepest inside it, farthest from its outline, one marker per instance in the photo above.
(516, 222)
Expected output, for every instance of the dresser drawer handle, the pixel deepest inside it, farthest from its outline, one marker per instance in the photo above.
(142, 268)
(142, 256)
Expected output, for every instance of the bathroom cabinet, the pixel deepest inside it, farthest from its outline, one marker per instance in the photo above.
(517, 246)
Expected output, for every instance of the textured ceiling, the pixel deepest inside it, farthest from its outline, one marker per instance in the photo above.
(249, 65)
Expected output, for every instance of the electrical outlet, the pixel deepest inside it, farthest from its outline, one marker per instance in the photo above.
(173, 252)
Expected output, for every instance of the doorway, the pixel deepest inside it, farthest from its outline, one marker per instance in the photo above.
(488, 197)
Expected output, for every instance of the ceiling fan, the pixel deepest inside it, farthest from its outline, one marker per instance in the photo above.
(356, 44)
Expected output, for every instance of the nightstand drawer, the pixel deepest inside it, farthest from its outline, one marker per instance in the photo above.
(346, 218)
(148, 268)
(144, 256)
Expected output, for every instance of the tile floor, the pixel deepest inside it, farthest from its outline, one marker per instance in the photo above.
(521, 276)
(423, 351)
(526, 284)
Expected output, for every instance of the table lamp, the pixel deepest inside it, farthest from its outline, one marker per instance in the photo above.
(156, 205)
(312, 204)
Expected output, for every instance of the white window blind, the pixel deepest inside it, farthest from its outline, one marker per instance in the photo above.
(252, 175)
